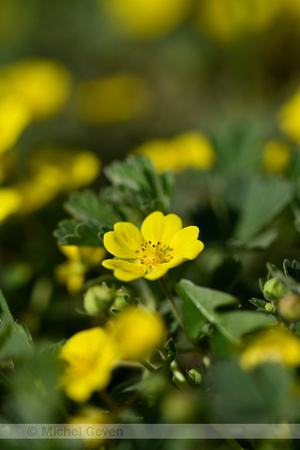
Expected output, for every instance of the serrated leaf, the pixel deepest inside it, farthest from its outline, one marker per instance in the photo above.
(136, 184)
(233, 324)
(87, 207)
(78, 233)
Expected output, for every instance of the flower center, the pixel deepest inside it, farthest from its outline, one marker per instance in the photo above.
(152, 254)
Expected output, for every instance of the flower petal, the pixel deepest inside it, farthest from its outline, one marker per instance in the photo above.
(186, 244)
(158, 272)
(159, 228)
(123, 241)
(125, 270)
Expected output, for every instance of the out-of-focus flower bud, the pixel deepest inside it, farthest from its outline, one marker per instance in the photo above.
(122, 300)
(194, 376)
(269, 307)
(179, 407)
(274, 289)
(289, 307)
(98, 299)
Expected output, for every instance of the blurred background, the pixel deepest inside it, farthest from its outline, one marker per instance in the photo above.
(209, 84)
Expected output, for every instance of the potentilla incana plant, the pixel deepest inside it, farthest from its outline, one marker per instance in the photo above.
(150, 342)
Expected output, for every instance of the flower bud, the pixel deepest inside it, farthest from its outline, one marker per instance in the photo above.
(97, 299)
(179, 407)
(122, 300)
(269, 307)
(194, 377)
(274, 289)
(289, 307)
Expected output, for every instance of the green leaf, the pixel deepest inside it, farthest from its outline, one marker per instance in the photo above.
(194, 321)
(14, 337)
(87, 207)
(260, 242)
(74, 232)
(258, 302)
(208, 302)
(137, 185)
(171, 350)
(91, 219)
(262, 395)
(260, 201)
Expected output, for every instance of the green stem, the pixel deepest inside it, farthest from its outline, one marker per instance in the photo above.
(148, 366)
(171, 300)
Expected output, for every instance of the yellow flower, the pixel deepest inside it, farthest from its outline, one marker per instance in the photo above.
(289, 117)
(275, 345)
(91, 355)
(185, 150)
(160, 245)
(43, 86)
(136, 332)
(80, 259)
(48, 166)
(10, 201)
(90, 416)
(226, 20)
(90, 360)
(276, 156)
(111, 99)
(148, 18)
(14, 118)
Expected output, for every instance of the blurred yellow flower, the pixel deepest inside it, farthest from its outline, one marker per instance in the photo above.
(90, 360)
(91, 416)
(14, 118)
(184, 150)
(41, 85)
(135, 332)
(160, 245)
(10, 200)
(276, 156)
(48, 167)
(91, 355)
(80, 260)
(115, 98)
(226, 20)
(275, 345)
(289, 117)
(148, 18)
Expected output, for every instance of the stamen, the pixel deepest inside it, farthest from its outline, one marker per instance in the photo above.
(154, 254)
